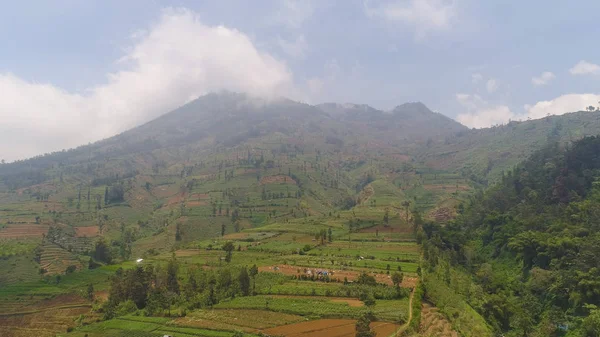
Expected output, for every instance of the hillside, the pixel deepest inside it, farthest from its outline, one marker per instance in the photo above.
(482, 154)
(222, 163)
(293, 187)
(524, 253)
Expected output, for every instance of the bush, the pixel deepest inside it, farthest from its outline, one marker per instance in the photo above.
(125, 308)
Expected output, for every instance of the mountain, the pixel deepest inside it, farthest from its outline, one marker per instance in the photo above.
(284, 187)
(407, 122)
(231, 152)
(483, 154)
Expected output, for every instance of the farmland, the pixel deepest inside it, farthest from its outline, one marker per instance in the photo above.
(288, 295)
(323, 211)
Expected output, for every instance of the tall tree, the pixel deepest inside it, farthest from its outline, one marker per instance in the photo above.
(363, 328)
(228, 247)
(172, 282)
(244, 279)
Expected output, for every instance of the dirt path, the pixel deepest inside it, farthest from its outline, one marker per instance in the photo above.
(410, 315)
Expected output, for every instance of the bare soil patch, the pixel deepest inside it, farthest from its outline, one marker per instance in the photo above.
(58, 301)
(239, 319)
(15, 231)
(195, 203)
(87, 231)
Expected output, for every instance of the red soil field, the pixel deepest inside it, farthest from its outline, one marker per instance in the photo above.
(23, 231)
(88, 231)
(195, 203)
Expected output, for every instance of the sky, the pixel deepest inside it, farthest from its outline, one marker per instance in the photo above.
(74, 72)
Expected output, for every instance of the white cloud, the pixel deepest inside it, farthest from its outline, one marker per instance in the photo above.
(543, 79)
(585, 68)
(296, 49)
(491, 85)
(562, 104)
(486, 117)
(480, 113)
(476, 78)
(177, 58)
(423, 15)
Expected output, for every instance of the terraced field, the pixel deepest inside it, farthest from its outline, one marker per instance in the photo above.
(434, 324)
(55, 260)
(23, 231)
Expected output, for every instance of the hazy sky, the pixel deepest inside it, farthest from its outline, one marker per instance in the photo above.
(75, 71)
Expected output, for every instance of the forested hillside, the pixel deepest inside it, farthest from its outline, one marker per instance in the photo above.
(524, 254)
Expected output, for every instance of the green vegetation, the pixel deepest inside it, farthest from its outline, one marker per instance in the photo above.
(238, 205)
(529, 261)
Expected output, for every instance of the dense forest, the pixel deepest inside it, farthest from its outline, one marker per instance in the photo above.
(524, 254)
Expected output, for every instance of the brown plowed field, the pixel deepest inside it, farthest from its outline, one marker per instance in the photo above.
(195, 203)
(23, 231)
(88, 231)
(329, 328)
(407, 282)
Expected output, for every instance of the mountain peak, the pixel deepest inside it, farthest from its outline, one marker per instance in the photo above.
(412, 107)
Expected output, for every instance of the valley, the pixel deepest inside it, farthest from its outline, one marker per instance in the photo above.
(237, 216)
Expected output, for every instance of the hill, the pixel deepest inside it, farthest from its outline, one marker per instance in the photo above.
(290, 185)
(222, 163)
(483, 154)
(524, 253)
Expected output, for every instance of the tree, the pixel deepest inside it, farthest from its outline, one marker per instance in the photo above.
(591, 324)
(253, 272)
(368, 298)
(172, 282)
(397, 278)
(90, 292)
(363, 328)
(386, 216)
(228, 247)
(366, 279)
(102, 252)
(157, 301)
(244, 279)
(329, 235)
(177, 233)
(406, 205)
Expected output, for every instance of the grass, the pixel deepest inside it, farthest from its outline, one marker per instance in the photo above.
(299, 306)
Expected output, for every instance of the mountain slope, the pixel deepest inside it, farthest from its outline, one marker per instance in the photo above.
(482, 154)
(529, 245)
